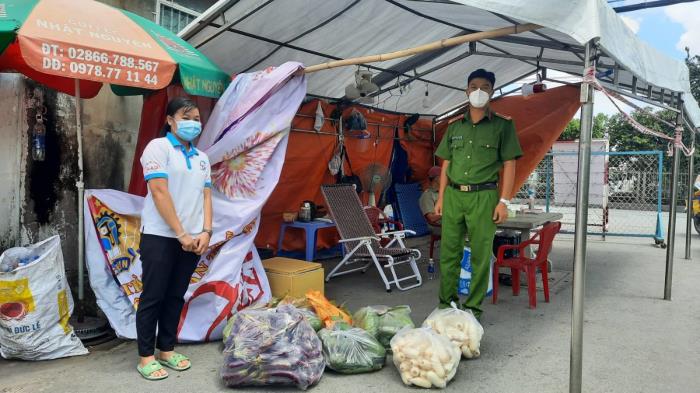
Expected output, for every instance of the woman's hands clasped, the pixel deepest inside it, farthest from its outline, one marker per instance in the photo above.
(201, 243)
(197, 244)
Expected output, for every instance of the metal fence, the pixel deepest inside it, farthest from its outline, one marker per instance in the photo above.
(625, 197)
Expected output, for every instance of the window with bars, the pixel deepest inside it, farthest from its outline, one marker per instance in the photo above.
(174, 17)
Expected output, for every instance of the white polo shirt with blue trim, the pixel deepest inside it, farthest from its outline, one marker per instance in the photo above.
(188, 173)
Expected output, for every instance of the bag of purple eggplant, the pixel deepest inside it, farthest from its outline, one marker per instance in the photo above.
(275, 346)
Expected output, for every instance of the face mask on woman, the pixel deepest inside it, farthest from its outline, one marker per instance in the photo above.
(478, 98)
(188, 129)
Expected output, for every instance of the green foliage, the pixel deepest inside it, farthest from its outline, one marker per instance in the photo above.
(573, 129)
(694, 71)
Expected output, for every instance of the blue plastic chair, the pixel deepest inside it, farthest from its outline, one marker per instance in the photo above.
(407, 196)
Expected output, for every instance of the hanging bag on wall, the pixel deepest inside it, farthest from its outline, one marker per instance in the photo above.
(342, 177)
(350, 179)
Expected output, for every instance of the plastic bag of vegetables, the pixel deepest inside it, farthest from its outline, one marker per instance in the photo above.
(305, 308)
(272, 347)
(383, 322)
(308, 314)
(327, 311)
(460, 327)
(350, 350)
(424, 358)
(312, 318)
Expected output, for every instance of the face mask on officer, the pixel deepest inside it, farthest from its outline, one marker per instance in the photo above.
(480, 87)
(479, 98)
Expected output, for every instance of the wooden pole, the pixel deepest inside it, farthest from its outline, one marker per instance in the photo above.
(482, 35)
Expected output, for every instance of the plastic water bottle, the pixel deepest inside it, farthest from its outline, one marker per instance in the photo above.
(431, 269)
(531, 196)
(39, 141)
(389, 213)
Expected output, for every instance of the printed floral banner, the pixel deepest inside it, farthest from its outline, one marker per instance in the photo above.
(246, 141)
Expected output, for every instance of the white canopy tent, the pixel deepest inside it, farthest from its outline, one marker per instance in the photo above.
(268, 33)
(245, 35)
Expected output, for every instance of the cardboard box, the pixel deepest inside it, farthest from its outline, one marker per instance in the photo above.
(293, 277)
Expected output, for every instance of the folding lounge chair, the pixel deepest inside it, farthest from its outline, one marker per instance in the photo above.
(361, 243)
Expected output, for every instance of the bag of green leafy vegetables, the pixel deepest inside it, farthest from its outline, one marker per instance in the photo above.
(350, 350)
(383, 322)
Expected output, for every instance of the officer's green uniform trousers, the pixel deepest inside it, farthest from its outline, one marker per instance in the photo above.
(476, 153)
(466, 213)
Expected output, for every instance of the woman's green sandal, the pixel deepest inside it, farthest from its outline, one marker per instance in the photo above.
(174, 362)
(148, 370)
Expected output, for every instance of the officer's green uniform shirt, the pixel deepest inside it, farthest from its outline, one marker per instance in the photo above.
(477, 151)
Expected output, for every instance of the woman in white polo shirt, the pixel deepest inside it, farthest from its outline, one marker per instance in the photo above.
(176, 227)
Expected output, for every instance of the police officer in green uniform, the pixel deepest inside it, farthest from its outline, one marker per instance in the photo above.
(474, 150)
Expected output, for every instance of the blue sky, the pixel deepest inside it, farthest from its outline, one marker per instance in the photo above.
(668, 29)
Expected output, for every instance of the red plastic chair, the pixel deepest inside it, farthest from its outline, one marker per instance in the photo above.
(527, 265)
(433, 237)
(375, 216)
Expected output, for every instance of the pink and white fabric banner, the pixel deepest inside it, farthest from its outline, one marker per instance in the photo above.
(246, 141)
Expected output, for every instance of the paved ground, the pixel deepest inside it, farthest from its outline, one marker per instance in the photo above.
(634, 341)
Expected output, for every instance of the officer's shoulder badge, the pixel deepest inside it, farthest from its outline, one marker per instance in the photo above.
(456, 118)
(502, 116)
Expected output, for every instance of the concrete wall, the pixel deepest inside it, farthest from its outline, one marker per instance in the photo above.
(11, 149)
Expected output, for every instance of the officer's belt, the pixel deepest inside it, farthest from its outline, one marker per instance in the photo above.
(474, 187)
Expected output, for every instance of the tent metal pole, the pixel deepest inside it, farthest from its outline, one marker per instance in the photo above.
(581, 227)
(81, 193)
(689, 211)
(672, 211)
(433, 139)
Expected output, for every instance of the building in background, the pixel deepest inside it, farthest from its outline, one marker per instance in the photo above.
(175, 15)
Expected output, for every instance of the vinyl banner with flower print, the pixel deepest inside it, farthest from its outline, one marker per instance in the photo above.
(246, 141)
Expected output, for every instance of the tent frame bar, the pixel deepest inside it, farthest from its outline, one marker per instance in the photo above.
(201, 22)
(309, 31)
(313, 52)
(374, 124)
(689, 212)
(549, 44)
(374, 138)
(672, 211)
(629, 94)
(222, 28)
(421, 74)
(376, 109)
(531, 58)
(581, 226)
(463, 29)
(543, 35)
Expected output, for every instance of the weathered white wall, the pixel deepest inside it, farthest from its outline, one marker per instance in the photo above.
(11, 170)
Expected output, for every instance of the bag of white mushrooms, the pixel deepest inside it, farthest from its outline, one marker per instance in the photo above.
(424, 358)
(460, 327)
